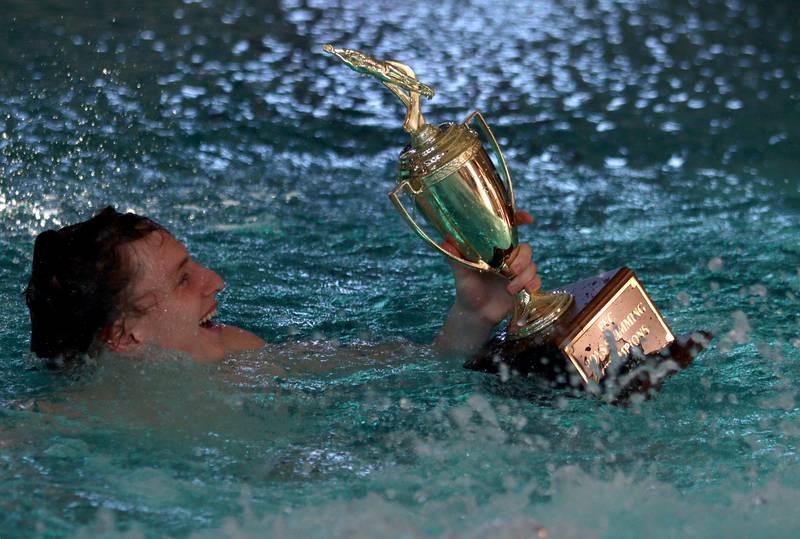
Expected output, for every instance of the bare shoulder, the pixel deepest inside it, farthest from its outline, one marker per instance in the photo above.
(237, 339)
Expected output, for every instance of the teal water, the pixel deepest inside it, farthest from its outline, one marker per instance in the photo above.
(662, 135)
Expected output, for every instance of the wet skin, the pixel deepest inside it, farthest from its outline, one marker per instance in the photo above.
(174, 299)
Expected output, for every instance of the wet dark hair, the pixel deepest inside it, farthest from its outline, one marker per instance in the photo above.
(79, 280)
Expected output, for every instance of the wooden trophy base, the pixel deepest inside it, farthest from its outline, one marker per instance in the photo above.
(614, 340)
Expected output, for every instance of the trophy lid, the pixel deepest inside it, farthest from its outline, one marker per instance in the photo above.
(437, 152)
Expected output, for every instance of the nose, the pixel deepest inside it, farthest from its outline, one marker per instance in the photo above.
(212, 282)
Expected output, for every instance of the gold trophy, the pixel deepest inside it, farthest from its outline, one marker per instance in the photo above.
(606, 323)
(455, 185)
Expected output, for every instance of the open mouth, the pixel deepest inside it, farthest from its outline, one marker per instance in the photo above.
(207, 323)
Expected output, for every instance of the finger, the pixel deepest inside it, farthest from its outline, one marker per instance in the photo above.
(534, 285)
(450, 248)
(525, 278)
(521, 258)
(521, 217)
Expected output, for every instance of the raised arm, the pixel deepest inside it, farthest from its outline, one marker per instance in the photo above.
(483, 299)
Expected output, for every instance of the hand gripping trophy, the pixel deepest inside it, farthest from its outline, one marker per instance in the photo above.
(456, 187)
(594, 323)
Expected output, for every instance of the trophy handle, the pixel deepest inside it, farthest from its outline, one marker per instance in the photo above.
(394, 197)
(487, 132)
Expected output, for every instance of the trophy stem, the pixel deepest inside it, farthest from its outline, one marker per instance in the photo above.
(534, 314)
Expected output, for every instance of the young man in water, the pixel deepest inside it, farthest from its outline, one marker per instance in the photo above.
(122, 282)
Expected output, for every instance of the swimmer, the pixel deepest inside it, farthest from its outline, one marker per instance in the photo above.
(121, 282)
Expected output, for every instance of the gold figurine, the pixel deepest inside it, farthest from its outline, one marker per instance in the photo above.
(399, 78)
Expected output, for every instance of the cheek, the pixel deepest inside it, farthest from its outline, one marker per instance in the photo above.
(168, 323)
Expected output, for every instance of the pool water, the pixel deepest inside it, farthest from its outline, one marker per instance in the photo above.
(661, 134)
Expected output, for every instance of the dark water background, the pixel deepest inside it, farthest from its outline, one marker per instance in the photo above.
(662, 135)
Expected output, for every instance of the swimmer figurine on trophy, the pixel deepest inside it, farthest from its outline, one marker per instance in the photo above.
(457, 188)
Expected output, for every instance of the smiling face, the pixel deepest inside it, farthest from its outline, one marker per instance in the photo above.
(173, 299)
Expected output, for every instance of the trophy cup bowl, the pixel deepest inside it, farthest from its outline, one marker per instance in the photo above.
(456, 187)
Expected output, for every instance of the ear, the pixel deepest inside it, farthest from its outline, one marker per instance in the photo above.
(121, 336)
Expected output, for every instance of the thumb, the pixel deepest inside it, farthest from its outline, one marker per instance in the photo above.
(521, 217)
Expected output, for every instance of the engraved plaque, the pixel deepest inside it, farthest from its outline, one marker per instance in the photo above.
(613, 317)
(626, 320)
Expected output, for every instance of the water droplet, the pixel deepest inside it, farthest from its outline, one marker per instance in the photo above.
(715, 264)
(758, 290)
(605, 126)
(615, 162)
(775, 139)
(616, 103)
(240, 47)
(670, 127)
(192, 92)
(676, 161)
